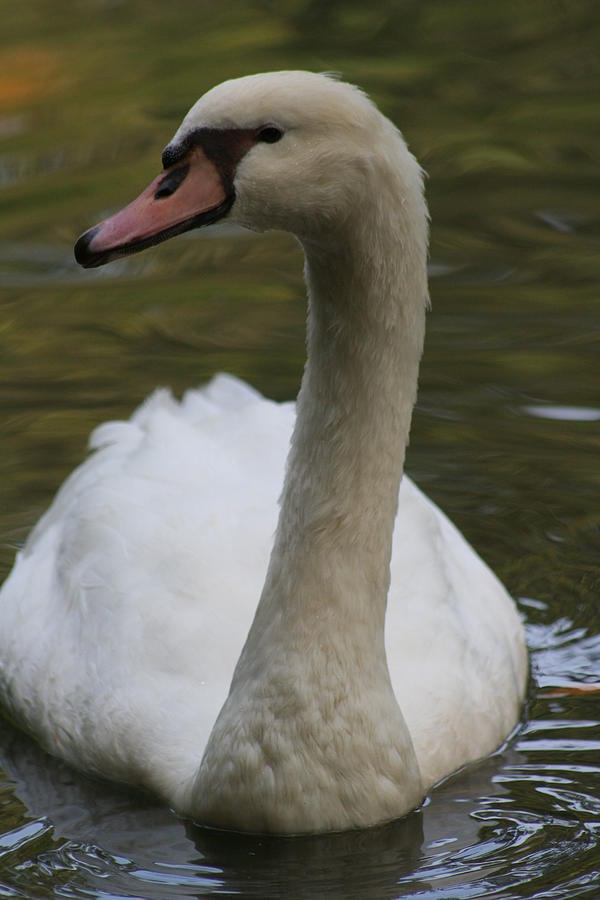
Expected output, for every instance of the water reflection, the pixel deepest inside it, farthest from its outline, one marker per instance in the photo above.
(124, 837)
(565, 413)
(522, 821)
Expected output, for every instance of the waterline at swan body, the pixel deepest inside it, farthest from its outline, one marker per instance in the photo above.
(131, 642)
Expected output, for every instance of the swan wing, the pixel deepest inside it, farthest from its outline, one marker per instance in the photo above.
(127, 609)
(454, 640)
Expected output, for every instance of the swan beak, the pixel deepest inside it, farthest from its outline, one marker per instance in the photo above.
(186, 195)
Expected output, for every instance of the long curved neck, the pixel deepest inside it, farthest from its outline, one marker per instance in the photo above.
(367, 301)
(312, 680)
(365, 334)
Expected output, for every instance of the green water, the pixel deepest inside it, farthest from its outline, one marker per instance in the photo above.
(500, 103)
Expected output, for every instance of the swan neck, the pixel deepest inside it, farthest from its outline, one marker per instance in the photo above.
(364, 341)
(311, 702)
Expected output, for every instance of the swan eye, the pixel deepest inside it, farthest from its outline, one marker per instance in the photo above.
(270, 135)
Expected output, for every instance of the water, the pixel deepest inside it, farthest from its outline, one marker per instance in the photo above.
(499, 101)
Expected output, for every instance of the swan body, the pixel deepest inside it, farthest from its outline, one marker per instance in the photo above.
(131, 644)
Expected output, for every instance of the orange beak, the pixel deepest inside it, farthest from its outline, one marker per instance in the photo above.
(186, 195)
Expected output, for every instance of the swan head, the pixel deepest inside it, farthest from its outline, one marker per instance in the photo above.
(296, 151)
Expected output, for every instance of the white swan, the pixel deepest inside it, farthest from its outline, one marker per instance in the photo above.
(123, 618)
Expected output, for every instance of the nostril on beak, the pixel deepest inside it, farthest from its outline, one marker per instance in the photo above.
(171, 182)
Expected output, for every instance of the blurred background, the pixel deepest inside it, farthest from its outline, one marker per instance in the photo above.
(499, 101)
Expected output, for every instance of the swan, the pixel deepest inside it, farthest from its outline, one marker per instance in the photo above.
(128, 643)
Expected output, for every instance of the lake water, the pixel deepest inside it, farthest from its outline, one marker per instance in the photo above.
(500, 103)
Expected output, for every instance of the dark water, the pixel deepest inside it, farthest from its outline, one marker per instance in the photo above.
(500, 103)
